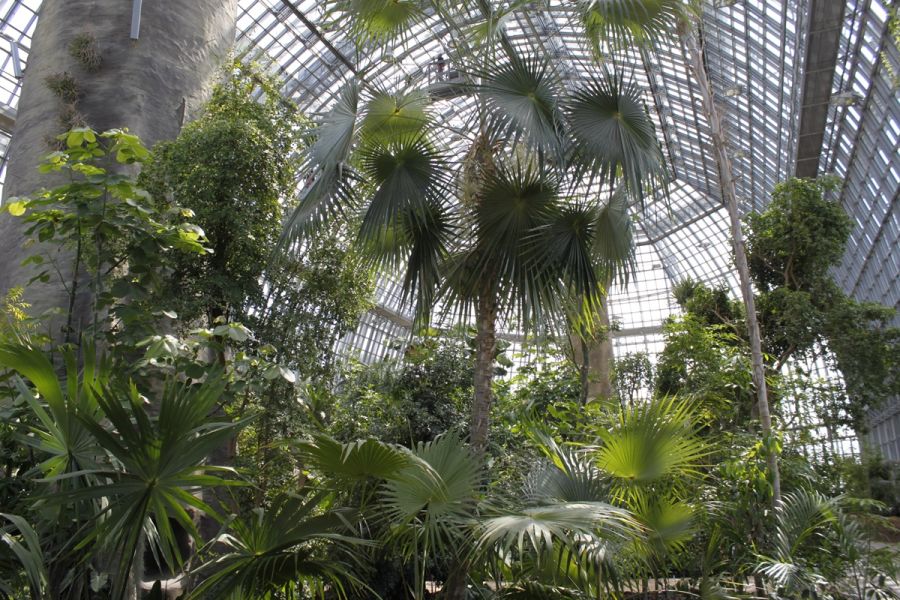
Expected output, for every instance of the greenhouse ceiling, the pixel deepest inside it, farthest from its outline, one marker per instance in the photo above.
(806, 87)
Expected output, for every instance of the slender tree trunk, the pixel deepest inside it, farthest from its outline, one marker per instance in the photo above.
(147, 85)
(726, 184)
(485, 345)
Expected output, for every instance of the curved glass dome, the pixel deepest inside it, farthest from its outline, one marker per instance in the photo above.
(806, 87)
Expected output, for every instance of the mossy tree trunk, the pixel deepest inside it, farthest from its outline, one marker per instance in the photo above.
(149, 85)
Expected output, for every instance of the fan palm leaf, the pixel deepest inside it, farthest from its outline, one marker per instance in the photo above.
(388, 116)
(537, 529)
(430, 237)
(274, 547)
(650, 443)
(622, 22)
(358, 461)
(431, 508)
(612, 131)
(156, 465)
(332, 180)
(613, 241)
(380, 20)
(567, 476)
(523, 97)
(408, 177)
(69, 447)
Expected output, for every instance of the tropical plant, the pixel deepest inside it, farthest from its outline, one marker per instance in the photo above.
(120, 242)
(514, 226)
(803, 515)
(231, 167)
(271, 552)
(115, 477)
(425, 497)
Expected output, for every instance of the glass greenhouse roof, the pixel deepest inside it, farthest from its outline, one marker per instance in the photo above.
(758, 58)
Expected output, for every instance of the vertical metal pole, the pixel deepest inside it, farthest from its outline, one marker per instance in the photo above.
(136, 19)
(16, 60)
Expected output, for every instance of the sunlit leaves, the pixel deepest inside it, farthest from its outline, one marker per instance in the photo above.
(621, 22)
(389, 116)
(649, 443)
(380, 20)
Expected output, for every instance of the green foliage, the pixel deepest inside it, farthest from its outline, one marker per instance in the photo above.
(792, 246)
(113, 474)
(712, 306)
(231, 167)
(273, 550)
(632, 373)
(423, 395)
(707, 362)
(118, 241)
(799, 236)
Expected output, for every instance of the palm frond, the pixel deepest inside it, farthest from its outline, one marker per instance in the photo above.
(669, 524)
(335, 132)
(651, 442)
(331, 180)
(359, 460)
(623, 22)
(408, 176)
(567, 476)
(431, 237)
(388, 116)
(537, 529)
(533, 590)
(611, 130)
(379, 21)
(516, 202)
(562, 254)
(429, 510)
(523, 95)
(26, 546)
(271, 548)
(157, 465)
(802, 514)
(65, 446)
(613, 241)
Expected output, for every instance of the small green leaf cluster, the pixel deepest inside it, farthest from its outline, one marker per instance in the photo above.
(119, 239)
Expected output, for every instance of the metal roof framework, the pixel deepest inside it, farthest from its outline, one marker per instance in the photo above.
(799, 82)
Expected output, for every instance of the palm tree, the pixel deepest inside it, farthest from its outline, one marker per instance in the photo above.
(511, 226)
(115, 478)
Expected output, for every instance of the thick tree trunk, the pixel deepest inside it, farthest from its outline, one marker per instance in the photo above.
(726, 184)
(485, 345)
(148, 85)
(594, 355)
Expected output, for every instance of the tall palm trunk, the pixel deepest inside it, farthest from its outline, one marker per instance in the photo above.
(485, 346)
(726, 183)
(593, 355)
(149, 85)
